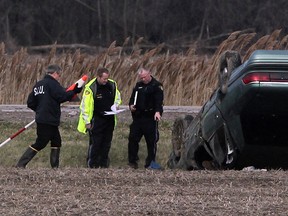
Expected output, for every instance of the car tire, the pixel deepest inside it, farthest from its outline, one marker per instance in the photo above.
(178, 131)
(228, 61)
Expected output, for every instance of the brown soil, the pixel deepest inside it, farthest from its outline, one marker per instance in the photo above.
(142, 192)
(72, 191)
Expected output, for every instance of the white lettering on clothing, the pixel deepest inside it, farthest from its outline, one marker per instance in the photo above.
(39, 90)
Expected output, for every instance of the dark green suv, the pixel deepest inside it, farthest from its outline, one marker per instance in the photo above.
(245, 121)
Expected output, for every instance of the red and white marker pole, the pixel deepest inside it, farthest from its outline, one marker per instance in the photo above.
(17, 133)
(80, 82)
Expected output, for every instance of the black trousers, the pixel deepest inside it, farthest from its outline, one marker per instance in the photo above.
(45, 134)
(100, 141)
(147, 127)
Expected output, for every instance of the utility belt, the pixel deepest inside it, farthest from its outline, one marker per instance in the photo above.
(148, 113)
(102, 115)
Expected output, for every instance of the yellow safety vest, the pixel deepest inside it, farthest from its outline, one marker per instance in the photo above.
(87, 105)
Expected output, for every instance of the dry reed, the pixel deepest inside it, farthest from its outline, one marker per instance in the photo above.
(188, 79)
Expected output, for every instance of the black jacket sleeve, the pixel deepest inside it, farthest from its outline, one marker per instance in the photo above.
(158, 98)
(59, 93)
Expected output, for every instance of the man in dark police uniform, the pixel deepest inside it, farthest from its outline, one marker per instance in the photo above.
(146, 106)
(45, 99)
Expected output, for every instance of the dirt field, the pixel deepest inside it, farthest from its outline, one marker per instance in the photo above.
(68, 191)
(142, 192)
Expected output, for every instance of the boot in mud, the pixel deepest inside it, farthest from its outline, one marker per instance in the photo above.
(26, 157)
(54, 157)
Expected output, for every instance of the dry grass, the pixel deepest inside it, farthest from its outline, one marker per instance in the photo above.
(142, 192)
(188, 79)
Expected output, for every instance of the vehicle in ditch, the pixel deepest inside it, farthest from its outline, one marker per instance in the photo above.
(245, 121)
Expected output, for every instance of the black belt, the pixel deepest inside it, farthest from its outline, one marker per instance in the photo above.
(144, 114)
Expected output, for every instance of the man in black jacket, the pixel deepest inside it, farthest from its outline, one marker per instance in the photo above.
(45, 100)
(146, 106)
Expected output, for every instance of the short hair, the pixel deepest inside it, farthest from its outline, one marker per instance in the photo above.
(100, 71)
(53, 68)
(141, 70)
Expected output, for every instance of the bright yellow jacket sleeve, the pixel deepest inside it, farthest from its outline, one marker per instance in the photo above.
(86, 109)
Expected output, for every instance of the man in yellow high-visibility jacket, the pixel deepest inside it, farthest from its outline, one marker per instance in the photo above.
(98, 96)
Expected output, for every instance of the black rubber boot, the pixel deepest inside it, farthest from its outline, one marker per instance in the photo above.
(105, 163)
(54, 157)
(26, 157)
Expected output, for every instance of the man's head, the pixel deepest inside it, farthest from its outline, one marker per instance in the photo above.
(54, 71)
(144, 75)
(102, 76)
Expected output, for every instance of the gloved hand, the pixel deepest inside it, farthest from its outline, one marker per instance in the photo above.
(77, 89)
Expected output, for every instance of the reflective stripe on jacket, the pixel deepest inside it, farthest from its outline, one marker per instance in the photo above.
(87, 105)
